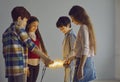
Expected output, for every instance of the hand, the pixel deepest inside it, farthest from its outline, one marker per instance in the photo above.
(66, 63)
(80, 73)
(48, 62)
(27, 72)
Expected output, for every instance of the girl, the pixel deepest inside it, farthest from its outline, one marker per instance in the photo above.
(33, 59)
(85, 46)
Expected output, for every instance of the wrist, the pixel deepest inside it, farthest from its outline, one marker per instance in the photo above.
(80, 67)
(26, 68)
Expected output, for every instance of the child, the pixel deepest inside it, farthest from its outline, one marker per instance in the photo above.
(33, 59)
(85, 46)
(64, 25)
(16, 43)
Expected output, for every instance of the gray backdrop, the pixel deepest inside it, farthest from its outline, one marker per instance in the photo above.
(48, 11)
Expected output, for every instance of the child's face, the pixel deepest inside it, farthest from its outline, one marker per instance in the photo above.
(33, 26)
(25, 21)
(64, 29)
(22, 22)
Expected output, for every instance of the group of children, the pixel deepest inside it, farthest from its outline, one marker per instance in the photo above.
(23, 47)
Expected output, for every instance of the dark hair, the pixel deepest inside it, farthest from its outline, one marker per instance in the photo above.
(63, 21)
(19, 11)
(38, 34)
(79, 14)
(31, 19)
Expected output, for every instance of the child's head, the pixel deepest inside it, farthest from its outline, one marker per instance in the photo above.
(19, 11)
(32, 24)
(78, 15)
(64, 24)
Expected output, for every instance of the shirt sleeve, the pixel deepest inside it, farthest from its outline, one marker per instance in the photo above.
(85, 37)
(72, 42)
(25, 38)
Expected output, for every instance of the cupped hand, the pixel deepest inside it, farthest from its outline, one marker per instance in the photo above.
(80, 74)
(66, 63)
(48, 62)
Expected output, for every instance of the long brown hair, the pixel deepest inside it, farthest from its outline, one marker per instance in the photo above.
(82, 17)
(38, 34)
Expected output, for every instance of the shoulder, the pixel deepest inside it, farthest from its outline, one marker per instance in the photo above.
(84, 27)
(8, 31)
(72, 33)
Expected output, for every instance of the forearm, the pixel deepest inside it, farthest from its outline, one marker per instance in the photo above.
(37, 51)
(72, 57)
(82, 62)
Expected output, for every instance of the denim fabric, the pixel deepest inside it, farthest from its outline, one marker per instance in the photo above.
(89, 70)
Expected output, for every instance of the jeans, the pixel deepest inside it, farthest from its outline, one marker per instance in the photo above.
(89, 71)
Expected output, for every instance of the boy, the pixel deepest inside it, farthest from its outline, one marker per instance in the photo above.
(64, 25)
(16, 44)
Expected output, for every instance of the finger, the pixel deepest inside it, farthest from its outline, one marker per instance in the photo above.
(80, 77)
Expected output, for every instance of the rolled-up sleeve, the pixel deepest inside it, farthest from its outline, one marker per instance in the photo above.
(85, 37)
(26, 39)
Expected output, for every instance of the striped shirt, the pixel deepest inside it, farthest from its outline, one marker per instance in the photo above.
(15, 50)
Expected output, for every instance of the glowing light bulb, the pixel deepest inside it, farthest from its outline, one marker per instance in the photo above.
(57, 64)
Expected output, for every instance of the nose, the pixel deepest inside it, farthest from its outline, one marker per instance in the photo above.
(72, 20)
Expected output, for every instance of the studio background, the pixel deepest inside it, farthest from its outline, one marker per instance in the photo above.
(105, 16)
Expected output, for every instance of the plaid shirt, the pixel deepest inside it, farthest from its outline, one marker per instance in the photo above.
(15, 50)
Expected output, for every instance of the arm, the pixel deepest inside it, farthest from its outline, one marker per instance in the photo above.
(31, 46)
(45, 57)
(72, 42)
(39, 46)
(85, 52)
(83, 60)
(71, 56)
(68, 60)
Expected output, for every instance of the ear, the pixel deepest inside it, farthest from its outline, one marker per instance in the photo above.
(19, 18)
(68, 25)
